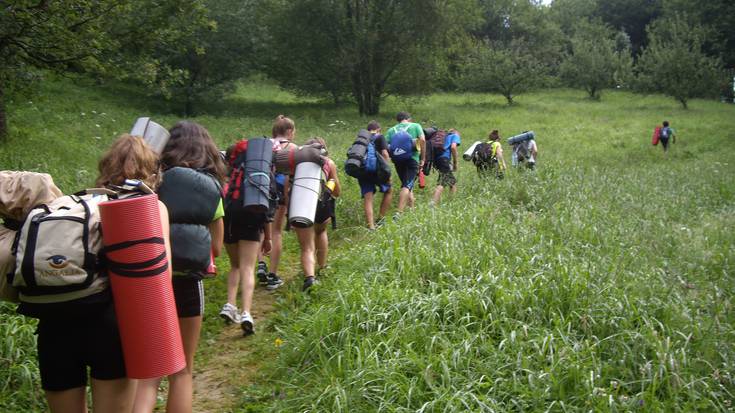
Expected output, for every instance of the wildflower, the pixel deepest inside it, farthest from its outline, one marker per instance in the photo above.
(278, 342)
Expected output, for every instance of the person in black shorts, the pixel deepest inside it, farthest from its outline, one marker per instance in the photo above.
(445, 162)
(407, 160)
(369, 186)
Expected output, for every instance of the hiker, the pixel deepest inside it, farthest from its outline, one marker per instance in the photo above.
(488, 156)
(283, 134)
(190, 188)
(369, 185)
(407, 146)
(247, 237)
(442, 157)
(80, 336)
(313, 240)
(665, 134)
(525, 153)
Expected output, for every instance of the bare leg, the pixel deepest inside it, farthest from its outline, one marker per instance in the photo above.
(453, 189)
(67, 401)
(403, 198)
(367, 203)
(115, 396)
(180, 385)
(145, 395)
(322, 243)
(277, 238)
(306, 241)
(437, 194)
(233, 277)
(247, 252)
(385, 204)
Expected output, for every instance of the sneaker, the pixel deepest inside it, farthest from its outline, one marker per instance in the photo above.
(229, 314)
(308, 282)
(262, 273)
(273, 282)
(380, 222)
(247, 324)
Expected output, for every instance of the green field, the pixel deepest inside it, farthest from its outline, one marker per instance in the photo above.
(603, 281)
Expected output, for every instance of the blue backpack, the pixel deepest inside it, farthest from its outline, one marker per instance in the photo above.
(401, 146)
(371, 160)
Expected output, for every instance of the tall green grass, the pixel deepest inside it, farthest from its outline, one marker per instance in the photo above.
(601, 281)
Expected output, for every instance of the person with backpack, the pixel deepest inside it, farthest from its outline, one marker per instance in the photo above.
(314, 241)
(78, 333)
(190, 188)
(247, 237)
(488, 156)
(665, 134)
(369, 184)
(444, 146)
(407, 149)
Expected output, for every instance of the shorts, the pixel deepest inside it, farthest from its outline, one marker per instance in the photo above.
(664, 142)
(189, 296)
(446, 176)
(407, 172)
(244, 227)
(324, 211)
(367, 186)
(66, 347)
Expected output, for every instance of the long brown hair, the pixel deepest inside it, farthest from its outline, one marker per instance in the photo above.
(129, 157)
(191, 146)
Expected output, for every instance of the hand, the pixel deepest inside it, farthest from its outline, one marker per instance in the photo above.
(266, 246)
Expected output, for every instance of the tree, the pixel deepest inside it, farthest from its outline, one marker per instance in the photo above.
(97, 35)
(674, 64)
(717, 15)
(364, 48)
(509, 71)
(599, 59)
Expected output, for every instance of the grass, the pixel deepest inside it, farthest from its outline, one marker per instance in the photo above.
(602, 281)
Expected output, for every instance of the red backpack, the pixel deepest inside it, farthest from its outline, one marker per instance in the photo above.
(656, 135)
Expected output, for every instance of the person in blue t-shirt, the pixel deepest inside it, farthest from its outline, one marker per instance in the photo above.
(446, 163)
(665, 134)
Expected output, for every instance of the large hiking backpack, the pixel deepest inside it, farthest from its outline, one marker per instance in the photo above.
(234, 199)
(484, 157)
(401, 146)
(437, 141)
(57, 250)
(357, 155)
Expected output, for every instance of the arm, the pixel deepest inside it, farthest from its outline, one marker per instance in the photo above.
(455, 156)
(333, 176)
(534, 151)
(422, 148)
(266, 245)
(499, 155)
(217, 231)
(163, 212)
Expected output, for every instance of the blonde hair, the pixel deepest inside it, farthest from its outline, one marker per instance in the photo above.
(129, 157)
(282, 125)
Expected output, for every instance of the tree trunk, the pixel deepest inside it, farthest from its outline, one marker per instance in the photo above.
(509, 98)
(3, 121)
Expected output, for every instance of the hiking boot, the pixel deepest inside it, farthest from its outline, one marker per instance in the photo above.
(247, 324)
(273, 281)
(308, 282)
(262, 274)
(229, 314)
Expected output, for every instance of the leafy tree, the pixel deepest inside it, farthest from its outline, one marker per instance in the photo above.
(599, 59)
(717, 15)
(674, 64)
(366, 49)
(630, 16)
(509, 71)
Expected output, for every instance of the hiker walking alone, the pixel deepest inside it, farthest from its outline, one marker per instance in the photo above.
(445, 162)
(407, 149)
(369, 185)
(191, 190)
(665, 134)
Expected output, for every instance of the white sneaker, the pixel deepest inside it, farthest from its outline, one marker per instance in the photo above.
(229, 314)
(247, 324)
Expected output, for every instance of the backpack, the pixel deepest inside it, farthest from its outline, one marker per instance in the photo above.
(484, 156)
(438, 140)
(58, 250)
(357, 154)
(235, 193)
(401, 146)
(656, 135)
(664, 133)
(371, 160)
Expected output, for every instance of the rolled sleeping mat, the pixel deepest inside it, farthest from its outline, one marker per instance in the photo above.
(140, 279)
(467, 155)
(285, 160)
(258, 161)
(305, 191)
(521, 137)
(309, 153)
(155, 135)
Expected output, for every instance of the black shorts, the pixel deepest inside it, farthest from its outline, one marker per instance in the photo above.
(446, 176)
(189, 296)
(407, 172)
(66, 348)
(664, 142)
(244, 227)
(324, 211)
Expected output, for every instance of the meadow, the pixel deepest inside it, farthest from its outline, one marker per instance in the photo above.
(602, 281)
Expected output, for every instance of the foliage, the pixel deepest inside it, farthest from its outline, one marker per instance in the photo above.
(598, 60)
(674, 64)
(509, 71)
(18, 371)
(714, 15)
(365, 48)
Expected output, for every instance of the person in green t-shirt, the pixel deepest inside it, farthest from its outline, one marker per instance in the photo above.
(408, 157)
